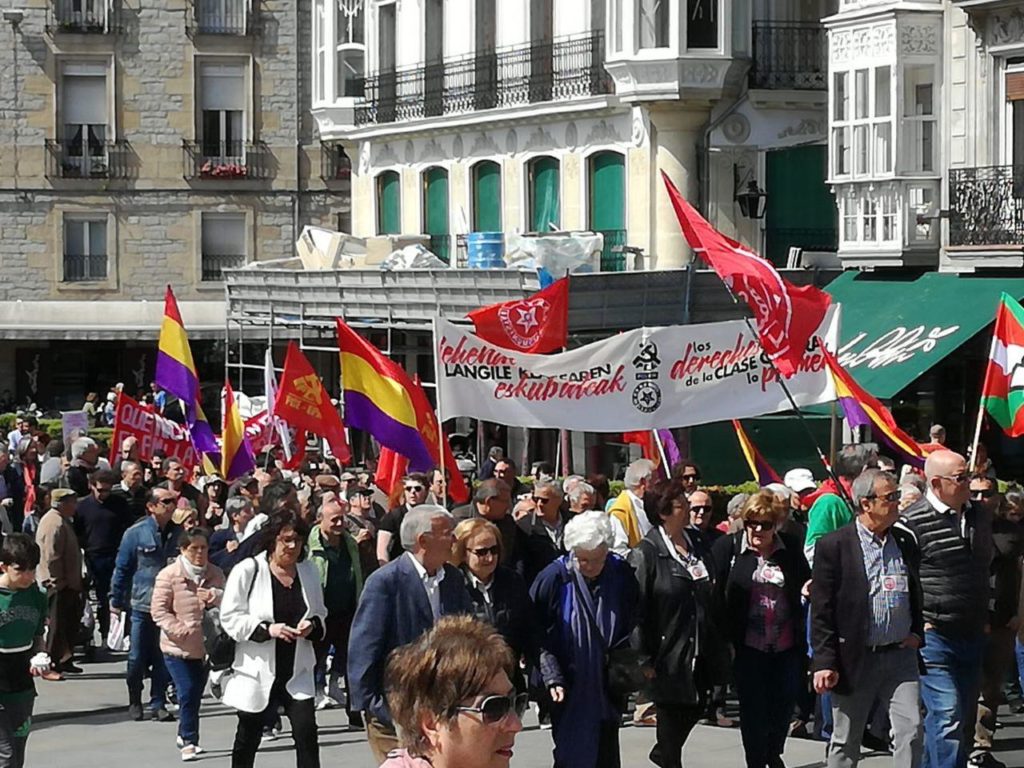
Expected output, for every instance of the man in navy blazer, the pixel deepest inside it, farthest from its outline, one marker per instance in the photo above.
(399, 603)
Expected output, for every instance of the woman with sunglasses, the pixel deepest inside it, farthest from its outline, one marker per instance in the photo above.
(452, 698)
(673, 567)
(586, 605)
(760, 578)
(498, 593)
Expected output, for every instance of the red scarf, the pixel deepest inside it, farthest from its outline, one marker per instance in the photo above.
(29, 472)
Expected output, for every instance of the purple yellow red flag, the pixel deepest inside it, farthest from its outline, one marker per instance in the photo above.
(763, 472)
(236, 453)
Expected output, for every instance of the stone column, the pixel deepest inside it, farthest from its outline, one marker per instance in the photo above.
(676, 134)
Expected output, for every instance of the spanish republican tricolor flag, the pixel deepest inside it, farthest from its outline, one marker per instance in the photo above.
(861, 409)
(1003, 392)
(761, 469)
(176, 373)
(236, 454)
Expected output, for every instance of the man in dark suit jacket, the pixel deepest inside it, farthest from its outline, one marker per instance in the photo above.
(542, 529)
(867, 624)
(399, 603)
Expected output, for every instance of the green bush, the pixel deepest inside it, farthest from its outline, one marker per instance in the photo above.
(54, 428)
(7, 422)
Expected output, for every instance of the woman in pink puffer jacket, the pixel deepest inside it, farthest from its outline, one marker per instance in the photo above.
(184, 591)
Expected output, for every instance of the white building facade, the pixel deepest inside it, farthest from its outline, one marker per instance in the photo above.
(497, 115)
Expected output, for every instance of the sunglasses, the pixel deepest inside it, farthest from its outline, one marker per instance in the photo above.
(540, 500)
(960, 479)
(414, 488)
(494, 709)
(691, 477)
(484, 551)
(759, 525)
(891, 496)
(986, 493)
(701, 509)
(168, 501)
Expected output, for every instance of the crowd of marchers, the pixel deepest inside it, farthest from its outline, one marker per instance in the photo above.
(877, 609)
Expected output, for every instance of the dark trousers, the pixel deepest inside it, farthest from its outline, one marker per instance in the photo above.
(607, 744)
(674, 725)
(301, 715)
(101, 571)
(15, 721)
(997, 662)
(65, 615)
(189, 676)
(145, 655)
(336, 631)
(768, 685)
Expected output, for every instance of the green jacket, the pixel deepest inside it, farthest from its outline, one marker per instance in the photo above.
(319, 559)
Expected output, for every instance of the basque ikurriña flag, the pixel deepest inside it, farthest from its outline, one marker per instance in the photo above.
(176, 373)
(236, 453)
(786, 316)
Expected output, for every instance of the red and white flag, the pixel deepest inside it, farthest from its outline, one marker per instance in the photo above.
(537, 324)
(786, 316)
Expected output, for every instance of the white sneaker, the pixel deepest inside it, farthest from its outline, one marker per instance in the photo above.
(181, 745)
(323, 701)
(189, 753)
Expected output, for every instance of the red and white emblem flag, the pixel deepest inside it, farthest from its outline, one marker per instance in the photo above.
(537, 324)
(785, 315)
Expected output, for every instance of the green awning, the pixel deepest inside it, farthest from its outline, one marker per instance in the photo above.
(894, 329)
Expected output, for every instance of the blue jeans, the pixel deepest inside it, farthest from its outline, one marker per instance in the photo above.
(101, 570)
(189, 676)
(949, 690)
(767, 685)
(145, 655)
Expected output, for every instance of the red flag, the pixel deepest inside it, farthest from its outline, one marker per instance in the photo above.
(645, 439)
(538, 324)
(786, 316)
(391, 468)
(303, 402)
(426, 419)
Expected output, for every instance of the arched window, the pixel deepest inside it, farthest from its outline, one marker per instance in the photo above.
(606, 204)
(435, 211)
(542, 185)
(487, 196)
(389, 219)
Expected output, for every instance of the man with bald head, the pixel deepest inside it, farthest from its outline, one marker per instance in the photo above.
(955, 540)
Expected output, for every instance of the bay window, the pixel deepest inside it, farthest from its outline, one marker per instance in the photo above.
(350, 64)
(919, 118)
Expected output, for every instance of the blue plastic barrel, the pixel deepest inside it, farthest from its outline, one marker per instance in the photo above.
(485, 250)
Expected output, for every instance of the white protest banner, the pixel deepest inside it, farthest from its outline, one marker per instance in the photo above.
(648, 378)
(72, 420)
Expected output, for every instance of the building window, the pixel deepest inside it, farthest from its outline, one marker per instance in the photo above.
(652, 21)
(543, 180)
(921, 210)
(616, 25)
(840, 124)
(320, 50)
(222, 100)
(851, 224)
(388, 203)
(223, 244)
(890, 217)
(84, 113)
(862, 123)
(85, 249)
(870, 209)
(487, 197)
(351, 49)
(882, 125)
(435, 211)
(222, 17)
(702, 24)
(919, 117)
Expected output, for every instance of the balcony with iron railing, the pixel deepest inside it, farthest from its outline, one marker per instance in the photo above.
(84, 267)
(335, 167)
(78, 159)
(986, 206)
(566, 68)
(83, 17)
(223, 18)
(789, 56)
(225, 160)
(213, 265)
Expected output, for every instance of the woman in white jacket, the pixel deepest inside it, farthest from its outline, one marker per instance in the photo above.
(273, 608)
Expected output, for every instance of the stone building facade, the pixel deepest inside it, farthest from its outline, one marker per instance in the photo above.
(145, 145)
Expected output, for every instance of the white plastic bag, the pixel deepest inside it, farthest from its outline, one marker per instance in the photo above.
(117, 640)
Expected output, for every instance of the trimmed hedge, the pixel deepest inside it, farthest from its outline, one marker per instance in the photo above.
(54, 428)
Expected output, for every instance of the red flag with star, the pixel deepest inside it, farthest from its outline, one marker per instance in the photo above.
(537, 324)
(303, 403)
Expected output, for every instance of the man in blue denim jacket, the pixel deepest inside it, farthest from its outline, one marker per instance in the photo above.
(143, 553)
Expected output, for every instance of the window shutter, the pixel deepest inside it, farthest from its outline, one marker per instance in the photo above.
(223, 235)
(1015, 86)
(222, 87)
(85, 100)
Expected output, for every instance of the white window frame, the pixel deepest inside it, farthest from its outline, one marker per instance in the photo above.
(320, 51)
(246, 136)
(87, 220)
(208, 217)
(344, 42)
(912, 125)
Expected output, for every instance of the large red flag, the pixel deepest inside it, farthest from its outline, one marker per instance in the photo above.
(303, 402)
(786, 316)
(538, 324)
(391, 468)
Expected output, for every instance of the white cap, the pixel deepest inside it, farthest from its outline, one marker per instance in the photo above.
(800, 480)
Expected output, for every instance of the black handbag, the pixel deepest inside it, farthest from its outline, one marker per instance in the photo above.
(219, 645)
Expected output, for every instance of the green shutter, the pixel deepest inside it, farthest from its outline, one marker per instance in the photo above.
(388, 195)
(544, 210)
(801, 209)
(486, 197)
(435, 210)
(607, 209)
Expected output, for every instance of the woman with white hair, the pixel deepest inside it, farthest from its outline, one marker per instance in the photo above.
(586, 605)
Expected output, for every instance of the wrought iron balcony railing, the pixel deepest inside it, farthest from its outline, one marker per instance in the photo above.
(225, 160)
(986, 205)
(565, 68)
(221, 17)
(79, 159)
(83, 17)
(335, 166)
(789, 55)
(613, 258)
(214, 264)
(84, 267)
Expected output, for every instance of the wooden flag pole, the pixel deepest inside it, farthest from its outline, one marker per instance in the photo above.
(661, 452)
(981, 403)
(437, 399)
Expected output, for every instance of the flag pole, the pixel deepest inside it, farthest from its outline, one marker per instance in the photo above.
(981, 400)
(437, 400)
(661, 452)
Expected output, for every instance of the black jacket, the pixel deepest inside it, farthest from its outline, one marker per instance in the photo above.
(840, 602)
(537, 549)
(734, 577)
(954, 569)
(1005, 572)
(675, 628)
(510, 612)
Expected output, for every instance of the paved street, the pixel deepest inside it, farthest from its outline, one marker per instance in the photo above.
(81, 723)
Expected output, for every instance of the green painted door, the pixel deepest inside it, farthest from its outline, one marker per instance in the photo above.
(544, 209)
(486, 197)
(388, 206)
(801, 207)
(607, 209)
(435, 210)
